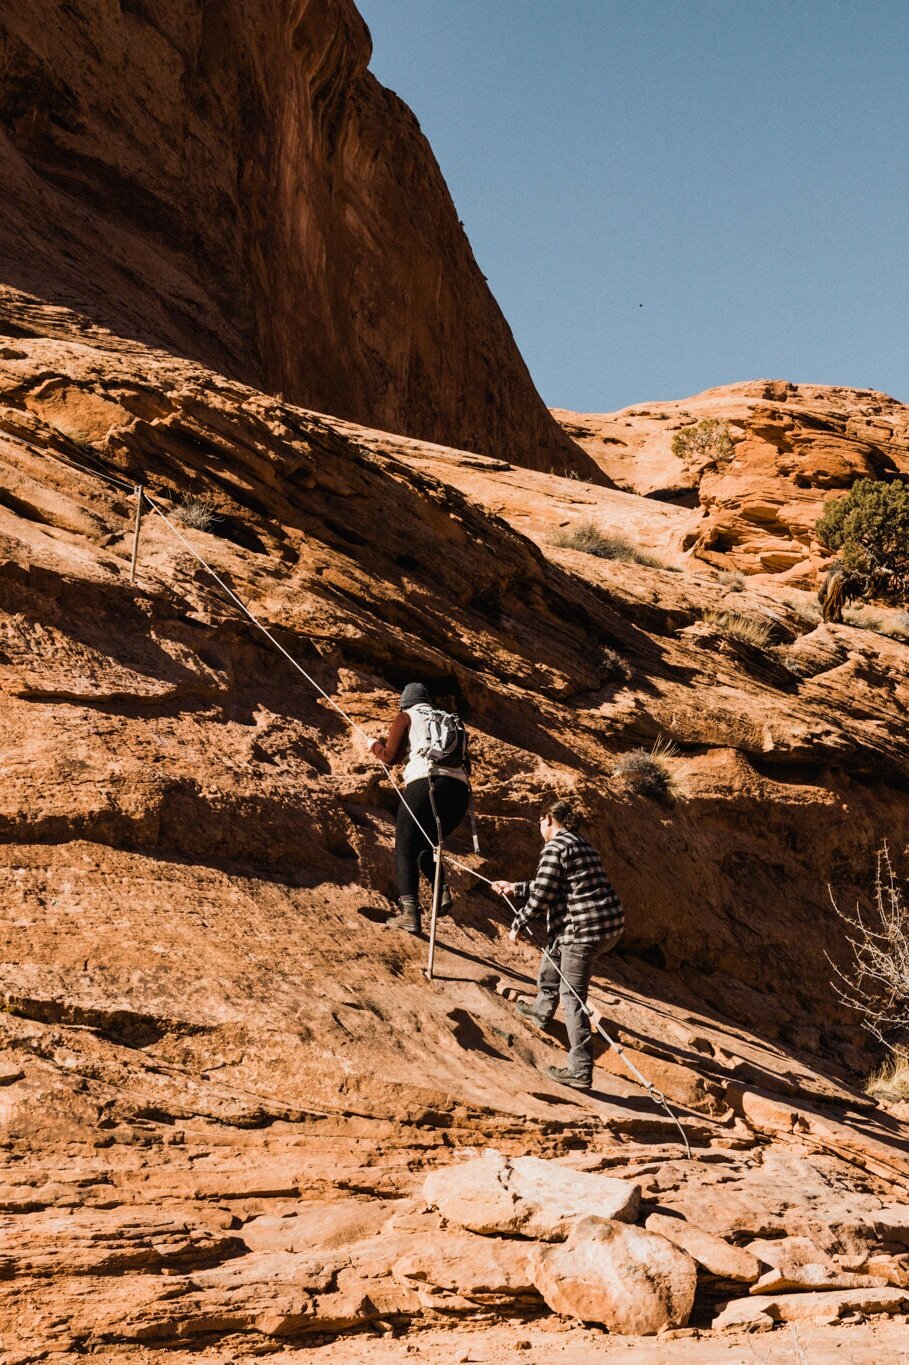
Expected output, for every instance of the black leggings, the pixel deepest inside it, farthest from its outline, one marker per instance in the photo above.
(413, 850)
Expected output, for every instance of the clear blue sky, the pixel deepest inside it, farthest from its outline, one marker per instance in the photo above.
(668, 195)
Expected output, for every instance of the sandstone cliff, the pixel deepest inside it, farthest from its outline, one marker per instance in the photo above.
(223, 1082)
(230, 181)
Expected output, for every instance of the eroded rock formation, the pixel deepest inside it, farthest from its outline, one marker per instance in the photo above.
(794, 444)
(231, 182)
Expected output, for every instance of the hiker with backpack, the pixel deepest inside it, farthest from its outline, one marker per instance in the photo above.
(432, 744)
(584, 919)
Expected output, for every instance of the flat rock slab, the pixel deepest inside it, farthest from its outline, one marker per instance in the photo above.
(712, 1252)
(808, 1307)
(527, 1196)
(892, 1224)
(113, 1241)
(472, 1266)
(632, 1281)
(788, 1254)
(817, 1276)
(317, 1226)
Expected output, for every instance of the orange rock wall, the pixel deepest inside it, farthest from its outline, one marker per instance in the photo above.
(231, 182)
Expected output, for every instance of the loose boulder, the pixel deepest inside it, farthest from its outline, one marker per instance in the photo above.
(527, 1196)
(713, 1253)
(633, 1282)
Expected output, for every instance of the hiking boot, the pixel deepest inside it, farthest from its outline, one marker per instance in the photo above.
(407, 918)
(529, 1015)
(564, 1077)
(445, 902)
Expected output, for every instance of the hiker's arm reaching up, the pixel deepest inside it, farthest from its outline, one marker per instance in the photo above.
(394, 747)
(544, 891)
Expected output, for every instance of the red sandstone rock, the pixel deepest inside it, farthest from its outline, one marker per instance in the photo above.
(821, 1306)
(221, 1077)
(526, 1196)
(795, 444)
(712, 1252)
(234, 184)
(631, 1281)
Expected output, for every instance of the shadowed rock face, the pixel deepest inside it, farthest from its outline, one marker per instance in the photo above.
(229, 181)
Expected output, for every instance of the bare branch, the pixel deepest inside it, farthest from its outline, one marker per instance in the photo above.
(877, 983)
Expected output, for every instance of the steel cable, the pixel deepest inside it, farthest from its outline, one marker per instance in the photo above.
(656, 1095)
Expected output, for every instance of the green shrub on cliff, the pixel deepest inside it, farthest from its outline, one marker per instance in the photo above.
(703, 446)
(869, 530)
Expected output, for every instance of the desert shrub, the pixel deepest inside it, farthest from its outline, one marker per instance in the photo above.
(876, 984)
(739, 625)
(587, 537)
(703, 446)
(646, 773)
(733, 580)
(869, 530)
(198, 511)
(613, 668)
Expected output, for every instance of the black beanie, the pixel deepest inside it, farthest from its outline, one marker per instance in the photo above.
(413, 694)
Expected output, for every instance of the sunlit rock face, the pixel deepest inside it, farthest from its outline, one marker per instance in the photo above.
(793, 446)
(231, 182)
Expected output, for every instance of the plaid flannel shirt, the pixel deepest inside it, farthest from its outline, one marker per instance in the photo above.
(571, 886)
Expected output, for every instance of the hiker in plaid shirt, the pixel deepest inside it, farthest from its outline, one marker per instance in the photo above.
(584, 919)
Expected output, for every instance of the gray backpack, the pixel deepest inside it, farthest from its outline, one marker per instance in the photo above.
(447, 740)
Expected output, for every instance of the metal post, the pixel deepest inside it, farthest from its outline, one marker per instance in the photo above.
(436, 900)
(140, 494)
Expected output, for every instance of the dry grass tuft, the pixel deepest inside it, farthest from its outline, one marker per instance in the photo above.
(893, 624)
(738, 625)
(198, 511)
(891, 1082)
(590, 540)
(645, 773)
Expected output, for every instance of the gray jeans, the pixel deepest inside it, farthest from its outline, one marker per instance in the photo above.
(576, 962)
